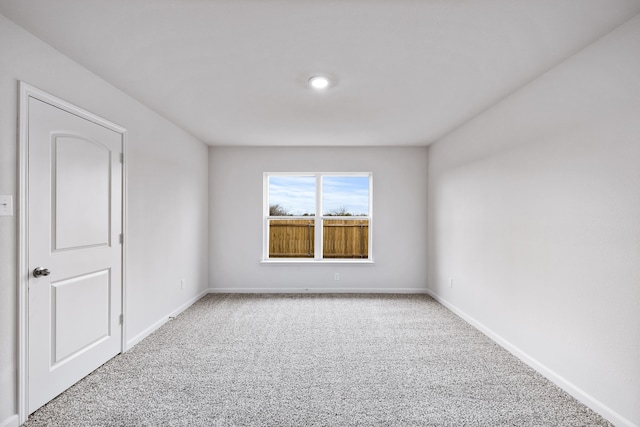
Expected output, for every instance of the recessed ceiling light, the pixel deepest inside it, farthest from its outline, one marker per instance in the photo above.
(319, 82)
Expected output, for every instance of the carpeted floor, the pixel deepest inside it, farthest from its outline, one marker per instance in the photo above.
(315, 360)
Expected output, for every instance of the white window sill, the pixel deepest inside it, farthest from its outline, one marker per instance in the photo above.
(307, 261)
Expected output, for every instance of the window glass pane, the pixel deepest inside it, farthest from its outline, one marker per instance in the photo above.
(291, 238)
(345, 195)
(292, 195)
(345, 238)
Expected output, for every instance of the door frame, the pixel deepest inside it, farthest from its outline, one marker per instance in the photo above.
(27, 91)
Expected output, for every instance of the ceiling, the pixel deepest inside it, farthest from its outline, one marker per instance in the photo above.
(235, 72)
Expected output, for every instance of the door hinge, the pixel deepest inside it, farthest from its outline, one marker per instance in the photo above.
(121, 239)
(121, 319)
(121, 157)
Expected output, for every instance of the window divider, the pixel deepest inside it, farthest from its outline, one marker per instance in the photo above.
(319, 228)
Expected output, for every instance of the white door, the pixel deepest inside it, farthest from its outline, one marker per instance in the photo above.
(74, 251)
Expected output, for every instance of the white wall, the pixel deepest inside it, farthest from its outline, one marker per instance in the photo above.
(399, 212)
(534, 211)
(167, 195)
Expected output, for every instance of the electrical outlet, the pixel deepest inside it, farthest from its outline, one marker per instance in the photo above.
(6, 205)
(451, 282)
(336, 276)
(182, 283)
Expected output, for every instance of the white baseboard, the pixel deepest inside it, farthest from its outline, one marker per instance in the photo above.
(317, 290)
(551, 375)
(188, 304)
(12, 421)
(164, 319)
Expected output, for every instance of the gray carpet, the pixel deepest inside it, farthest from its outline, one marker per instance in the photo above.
(315, 360)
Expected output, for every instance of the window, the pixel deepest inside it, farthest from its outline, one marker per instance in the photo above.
(317, 216)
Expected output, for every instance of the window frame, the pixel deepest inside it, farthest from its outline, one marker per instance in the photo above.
(318, 219)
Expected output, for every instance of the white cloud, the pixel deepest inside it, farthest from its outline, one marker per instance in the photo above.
(296, 194)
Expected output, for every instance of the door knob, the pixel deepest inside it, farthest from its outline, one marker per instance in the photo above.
(39, 271)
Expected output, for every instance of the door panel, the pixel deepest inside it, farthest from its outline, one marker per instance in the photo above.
(78, 327)
(73, 227)
(81, 180)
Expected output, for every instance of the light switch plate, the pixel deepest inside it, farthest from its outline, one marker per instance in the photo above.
(6, 205)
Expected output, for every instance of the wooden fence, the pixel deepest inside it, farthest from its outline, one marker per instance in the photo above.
(295, 238)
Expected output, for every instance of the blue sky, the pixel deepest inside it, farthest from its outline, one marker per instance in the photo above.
(297, 193)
